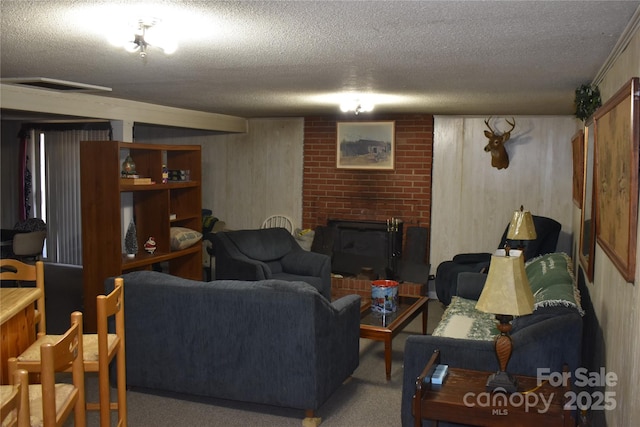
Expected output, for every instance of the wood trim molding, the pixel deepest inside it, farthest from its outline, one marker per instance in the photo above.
(102, 107)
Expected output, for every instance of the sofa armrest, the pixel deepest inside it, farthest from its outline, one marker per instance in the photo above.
(470, 285)
(347, 302)
(339, 349)
(472, 258)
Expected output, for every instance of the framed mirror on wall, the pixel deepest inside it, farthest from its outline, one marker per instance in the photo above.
(588, 223)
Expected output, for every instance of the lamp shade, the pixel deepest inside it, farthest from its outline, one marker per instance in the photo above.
(506, 290)
(521, 226)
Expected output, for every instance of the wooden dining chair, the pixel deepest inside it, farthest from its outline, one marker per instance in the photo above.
(14, 401)
(99, 350)
(278, 221)
(102, 348)
(11, 269)
(51, 403)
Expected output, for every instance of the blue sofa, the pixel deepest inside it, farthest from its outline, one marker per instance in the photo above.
(269, 253)
(548, 338)
(547, 229)
(270, 342)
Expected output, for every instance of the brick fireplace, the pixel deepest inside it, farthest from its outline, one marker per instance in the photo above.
(368, 195)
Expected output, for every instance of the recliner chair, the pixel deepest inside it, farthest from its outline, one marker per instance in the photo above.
(547, 231)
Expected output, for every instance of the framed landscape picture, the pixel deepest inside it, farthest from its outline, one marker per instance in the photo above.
(616, 177)
(365, 145)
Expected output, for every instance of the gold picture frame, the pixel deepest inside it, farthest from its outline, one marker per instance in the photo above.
(577, 145)
(365, 145)
(616, 177)
(587, 246)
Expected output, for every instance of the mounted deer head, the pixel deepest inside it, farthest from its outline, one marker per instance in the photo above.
(499, 156)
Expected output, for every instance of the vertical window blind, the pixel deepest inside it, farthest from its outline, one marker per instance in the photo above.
(62, 191)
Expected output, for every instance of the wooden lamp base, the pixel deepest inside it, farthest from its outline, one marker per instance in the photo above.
(502, 381)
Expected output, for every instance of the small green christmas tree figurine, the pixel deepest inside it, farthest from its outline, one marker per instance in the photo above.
(131, 240)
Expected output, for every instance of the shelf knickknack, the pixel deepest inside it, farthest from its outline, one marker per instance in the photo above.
(128, 167)
(587, 101)
(131, 240)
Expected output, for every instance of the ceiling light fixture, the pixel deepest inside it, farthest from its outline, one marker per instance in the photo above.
(357, 106)
(148, 32)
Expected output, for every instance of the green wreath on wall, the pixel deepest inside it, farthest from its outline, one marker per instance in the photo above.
(587, 101)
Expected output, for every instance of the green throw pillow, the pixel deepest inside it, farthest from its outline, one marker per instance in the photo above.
(552, 281)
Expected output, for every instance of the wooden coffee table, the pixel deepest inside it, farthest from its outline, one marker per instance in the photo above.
(379, 327)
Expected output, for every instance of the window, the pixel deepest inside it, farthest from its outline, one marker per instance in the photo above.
(55, 159)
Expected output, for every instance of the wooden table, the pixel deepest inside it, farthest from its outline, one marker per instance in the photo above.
(383, 328)
(17, 325)
(463, 399)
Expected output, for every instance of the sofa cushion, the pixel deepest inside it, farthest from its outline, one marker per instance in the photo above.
(266, 244)
(539, 314)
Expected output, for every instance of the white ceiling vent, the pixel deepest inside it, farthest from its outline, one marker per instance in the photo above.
(53, 84)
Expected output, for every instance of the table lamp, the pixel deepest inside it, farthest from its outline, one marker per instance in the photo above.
(506, 293)
(521, 227)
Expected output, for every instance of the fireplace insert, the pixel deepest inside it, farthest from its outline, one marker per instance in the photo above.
(366, 244)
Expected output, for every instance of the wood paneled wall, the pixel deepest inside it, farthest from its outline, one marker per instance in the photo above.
(246, 176)
(473, 201)
(615, 302)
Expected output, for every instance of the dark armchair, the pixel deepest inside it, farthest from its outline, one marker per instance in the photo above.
(547, 230)
(269, 253)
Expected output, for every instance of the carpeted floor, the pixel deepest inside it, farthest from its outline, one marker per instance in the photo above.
(367, 399)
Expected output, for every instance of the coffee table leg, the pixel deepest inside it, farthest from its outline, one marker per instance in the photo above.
(387, 355)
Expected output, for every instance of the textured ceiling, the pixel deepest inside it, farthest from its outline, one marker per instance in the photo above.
(277, 58)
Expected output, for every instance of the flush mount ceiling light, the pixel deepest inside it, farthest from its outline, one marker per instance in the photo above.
(357, 106)
(148, 32)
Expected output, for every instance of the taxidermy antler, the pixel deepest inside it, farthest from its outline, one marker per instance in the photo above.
(499, 156)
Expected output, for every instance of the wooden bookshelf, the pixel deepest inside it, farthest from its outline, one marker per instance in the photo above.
(101, 195)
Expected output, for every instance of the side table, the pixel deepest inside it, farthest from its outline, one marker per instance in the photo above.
(463, 399)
